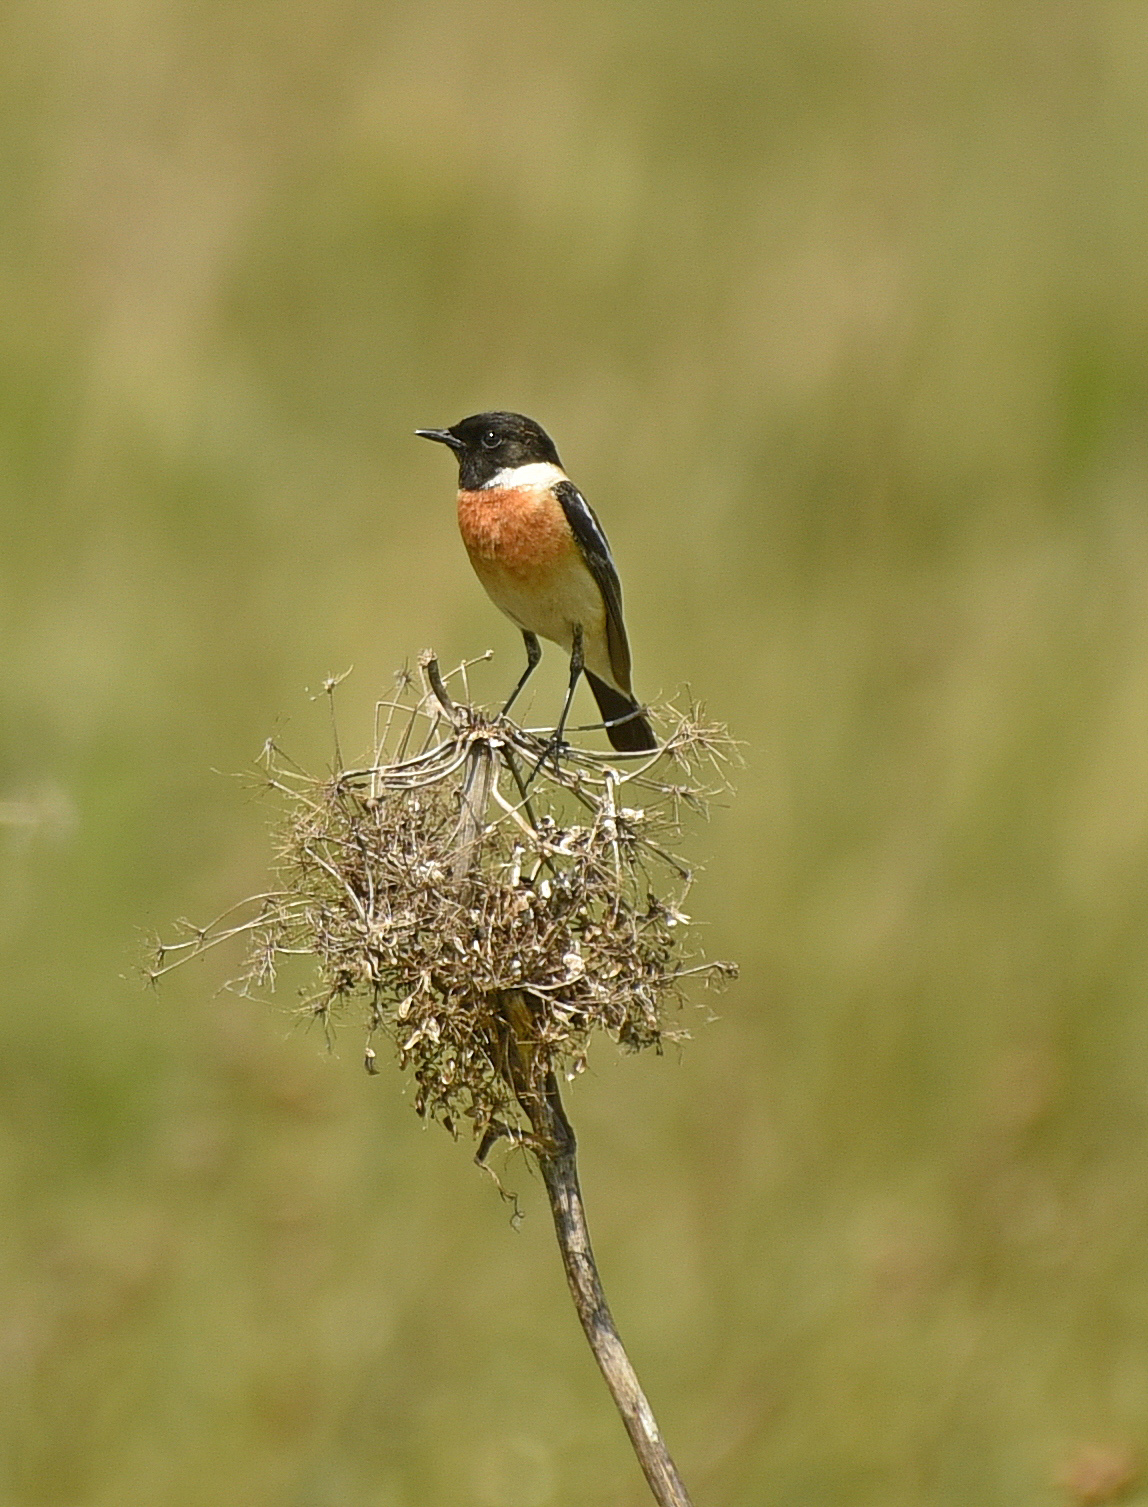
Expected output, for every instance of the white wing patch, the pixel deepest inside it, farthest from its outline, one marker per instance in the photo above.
(590, 530)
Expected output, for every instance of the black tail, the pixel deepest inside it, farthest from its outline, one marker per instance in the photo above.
(634, 735)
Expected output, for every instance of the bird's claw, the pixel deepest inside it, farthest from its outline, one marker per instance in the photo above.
(552, 751)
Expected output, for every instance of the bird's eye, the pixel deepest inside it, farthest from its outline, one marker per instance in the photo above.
(490, 440)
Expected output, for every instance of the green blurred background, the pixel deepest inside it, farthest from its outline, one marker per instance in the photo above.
(838, 313)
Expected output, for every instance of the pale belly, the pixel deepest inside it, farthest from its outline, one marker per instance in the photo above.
(561, 595)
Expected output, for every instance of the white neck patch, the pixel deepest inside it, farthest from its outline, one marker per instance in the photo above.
(540, 473)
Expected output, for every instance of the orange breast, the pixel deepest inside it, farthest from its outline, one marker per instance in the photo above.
(525, 555)
(519, 531)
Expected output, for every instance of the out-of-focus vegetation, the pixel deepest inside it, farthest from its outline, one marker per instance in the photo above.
(839, 315)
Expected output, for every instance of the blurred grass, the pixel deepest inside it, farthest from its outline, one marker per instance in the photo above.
(838, 315)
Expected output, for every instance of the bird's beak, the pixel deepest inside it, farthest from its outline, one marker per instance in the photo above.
(443, 436)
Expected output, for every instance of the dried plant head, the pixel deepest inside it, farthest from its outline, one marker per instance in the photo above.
(457, 882)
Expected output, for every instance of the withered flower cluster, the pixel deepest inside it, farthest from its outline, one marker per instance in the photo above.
(466, 865)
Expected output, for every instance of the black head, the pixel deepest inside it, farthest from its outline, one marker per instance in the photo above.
(487, 443)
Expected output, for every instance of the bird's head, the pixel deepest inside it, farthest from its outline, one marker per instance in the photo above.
(487, 443)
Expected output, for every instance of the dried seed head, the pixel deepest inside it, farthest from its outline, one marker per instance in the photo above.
(428, 886)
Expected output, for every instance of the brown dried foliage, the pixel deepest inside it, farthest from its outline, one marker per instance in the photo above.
(429, 883)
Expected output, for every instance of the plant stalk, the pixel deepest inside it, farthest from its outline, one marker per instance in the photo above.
(556, 1149)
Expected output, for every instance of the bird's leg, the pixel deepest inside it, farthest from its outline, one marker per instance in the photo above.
(577, 664)
(533, 655)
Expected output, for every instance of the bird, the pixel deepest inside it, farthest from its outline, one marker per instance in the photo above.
(538, 549)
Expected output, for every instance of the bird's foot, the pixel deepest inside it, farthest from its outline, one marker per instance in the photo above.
(555, 745)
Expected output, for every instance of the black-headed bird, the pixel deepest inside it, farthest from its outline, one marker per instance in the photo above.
(540, 552)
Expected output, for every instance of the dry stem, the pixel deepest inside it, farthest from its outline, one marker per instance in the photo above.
(555, 1149)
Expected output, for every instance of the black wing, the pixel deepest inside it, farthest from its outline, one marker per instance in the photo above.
(595, 551)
